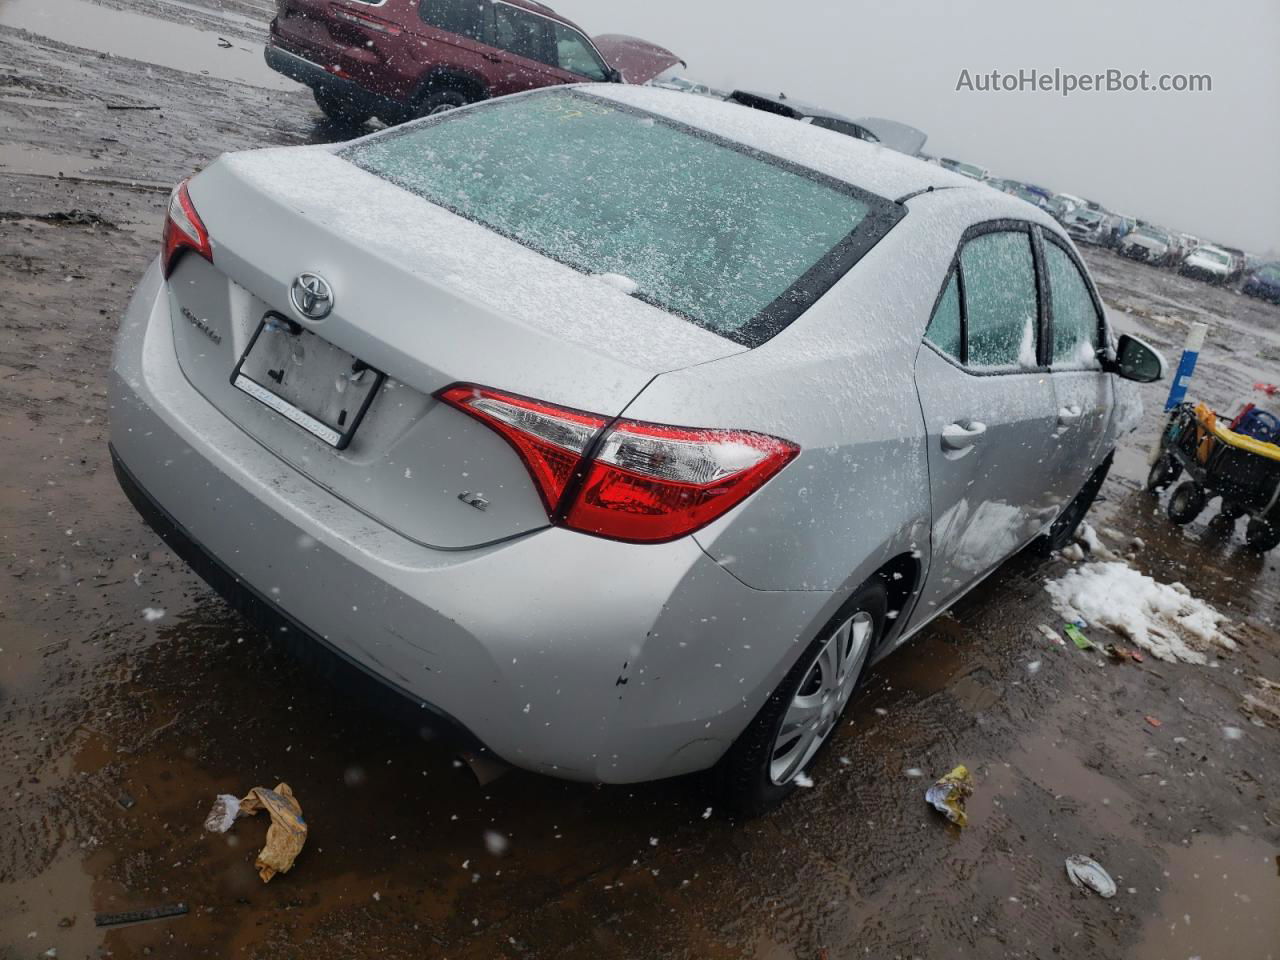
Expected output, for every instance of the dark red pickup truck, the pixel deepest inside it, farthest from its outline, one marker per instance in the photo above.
(399, 59)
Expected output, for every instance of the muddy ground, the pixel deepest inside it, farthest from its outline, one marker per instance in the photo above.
(117, 731)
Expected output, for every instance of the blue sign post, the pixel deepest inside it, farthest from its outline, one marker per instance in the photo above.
(1187, 365)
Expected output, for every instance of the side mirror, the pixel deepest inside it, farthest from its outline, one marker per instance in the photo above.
(615, 75)
(1136, 360)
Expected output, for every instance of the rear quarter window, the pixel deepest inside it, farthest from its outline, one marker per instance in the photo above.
(463, 17)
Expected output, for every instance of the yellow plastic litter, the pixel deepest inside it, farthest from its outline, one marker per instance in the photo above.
(948, 795)
(1209, 421)
(287, 833)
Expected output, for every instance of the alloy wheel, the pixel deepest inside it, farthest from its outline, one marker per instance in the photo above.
(821, 697)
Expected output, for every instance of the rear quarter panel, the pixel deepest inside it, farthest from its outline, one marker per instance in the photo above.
(839, 382)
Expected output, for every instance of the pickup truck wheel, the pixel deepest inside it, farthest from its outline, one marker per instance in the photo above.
(341, 109)
(765, 763)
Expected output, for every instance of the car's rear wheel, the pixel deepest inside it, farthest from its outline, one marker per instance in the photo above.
(1063, 529)
(761, 769)
(442, 100)
(1187, 503)
(341, 108)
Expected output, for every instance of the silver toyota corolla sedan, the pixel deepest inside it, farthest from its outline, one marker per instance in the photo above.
(620, 429)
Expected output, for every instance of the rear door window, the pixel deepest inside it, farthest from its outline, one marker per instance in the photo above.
(463, 17)
(1076, 324)
(1000, 301)
(524, 34)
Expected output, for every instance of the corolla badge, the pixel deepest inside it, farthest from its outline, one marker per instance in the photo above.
(311, 296)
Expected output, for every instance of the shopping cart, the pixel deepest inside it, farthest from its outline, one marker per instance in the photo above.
(1236, 462)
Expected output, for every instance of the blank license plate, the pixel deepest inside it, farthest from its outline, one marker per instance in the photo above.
(307, 380)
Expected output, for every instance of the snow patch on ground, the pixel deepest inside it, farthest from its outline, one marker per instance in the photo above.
(1164, 619)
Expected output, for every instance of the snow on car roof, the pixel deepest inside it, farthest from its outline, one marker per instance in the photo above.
(870, 166)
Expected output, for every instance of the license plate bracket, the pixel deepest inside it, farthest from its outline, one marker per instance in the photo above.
(307, 380)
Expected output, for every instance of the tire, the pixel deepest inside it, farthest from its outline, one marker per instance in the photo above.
(761, 768)
(1163, 472)
(1187, 503)
(341, 109)
(1229, 512)
(1063, 530)
(442, 100)
(1263, 534)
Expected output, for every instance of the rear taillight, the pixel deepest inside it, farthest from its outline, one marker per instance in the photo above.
(626, 480)
(183, 230)
(550, 440)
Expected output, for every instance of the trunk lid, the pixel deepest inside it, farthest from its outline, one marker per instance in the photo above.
(427, 298)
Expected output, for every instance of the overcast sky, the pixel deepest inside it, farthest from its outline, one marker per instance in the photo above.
(1207, 163)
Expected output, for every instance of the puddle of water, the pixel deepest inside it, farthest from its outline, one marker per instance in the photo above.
(138, 37)
(1219, 903)
(56, 906)
(19, 158)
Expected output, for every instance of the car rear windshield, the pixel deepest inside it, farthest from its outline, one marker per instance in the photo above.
(736, 241)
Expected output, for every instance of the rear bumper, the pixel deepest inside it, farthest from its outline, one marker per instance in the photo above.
(562, 653)
(318, 78)
(269, 617)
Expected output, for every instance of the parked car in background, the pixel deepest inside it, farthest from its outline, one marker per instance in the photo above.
(638, 61)
(1239, 260)
(1208, 263)
(1086, 226)
(896, 135)
(1147, 244)
(783, 106)
(675, 79)
(1116, 227)
(1264, 282)
(1035, 197)
(1061, 204)
(970, 170)
(400, 59)
(568, 521)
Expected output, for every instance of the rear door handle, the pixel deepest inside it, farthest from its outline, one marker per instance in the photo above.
(492, 57)
(1067, 415)
(962, 435)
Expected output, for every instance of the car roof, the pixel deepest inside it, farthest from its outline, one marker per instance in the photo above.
(873, 167)
(535, 6)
